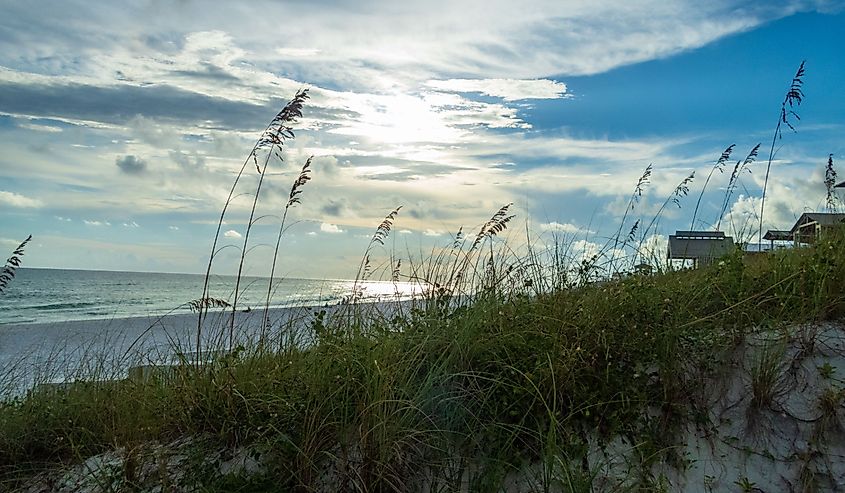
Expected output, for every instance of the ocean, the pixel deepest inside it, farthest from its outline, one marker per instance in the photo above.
(61, 295)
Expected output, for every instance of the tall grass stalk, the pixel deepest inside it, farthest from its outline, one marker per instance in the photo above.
(12, 264)
(265, 141)
(272, 141)
(462, 274)
(720, 166)
(680, 191)
(830, 183)
(381, 234)
(495, 225)
(637, 194)
(293, 199)
(793, 98)
(739, 167)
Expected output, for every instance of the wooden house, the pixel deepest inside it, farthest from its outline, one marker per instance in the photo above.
(780, 235)
(811, 224)
(702, 247)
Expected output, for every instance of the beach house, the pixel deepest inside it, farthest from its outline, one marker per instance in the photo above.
(812, 224)
(702, 247)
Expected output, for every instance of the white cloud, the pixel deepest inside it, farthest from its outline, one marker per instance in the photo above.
(405, 231)
(507, 89)
(131, 224)
(173, 228)
(288, 52)
(653, 250)
(583, 249)
(431, 232)
(369, 45)
(13, 199)
(91, 222)
(312, 233)
(330, 228)
(563, 227)
(421, 118)
(40, 128)
(403, 122)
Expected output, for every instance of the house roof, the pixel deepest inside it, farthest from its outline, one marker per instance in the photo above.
(699, 234)
(777, 235)
(699, 245)
(822, 218)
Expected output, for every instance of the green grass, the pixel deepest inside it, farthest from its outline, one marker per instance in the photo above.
(516, 363)
(450, 391)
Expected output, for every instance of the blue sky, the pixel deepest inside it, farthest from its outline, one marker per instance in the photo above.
(122, 124)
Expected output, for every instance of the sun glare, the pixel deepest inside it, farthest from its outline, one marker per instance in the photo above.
(401, 119)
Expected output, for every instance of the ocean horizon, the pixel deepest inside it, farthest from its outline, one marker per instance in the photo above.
(47, 295)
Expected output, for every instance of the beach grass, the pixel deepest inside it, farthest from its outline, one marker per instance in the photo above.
(455, 390)
(515, 362)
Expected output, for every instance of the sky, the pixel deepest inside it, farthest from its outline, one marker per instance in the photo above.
(123, 124)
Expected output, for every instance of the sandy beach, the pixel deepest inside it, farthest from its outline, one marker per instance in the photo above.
(66, 351)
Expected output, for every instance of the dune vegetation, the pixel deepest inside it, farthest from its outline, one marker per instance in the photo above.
(517, 364)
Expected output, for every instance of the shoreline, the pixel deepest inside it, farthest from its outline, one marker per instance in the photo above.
(56, 352)
(56, 295)
(183, 310)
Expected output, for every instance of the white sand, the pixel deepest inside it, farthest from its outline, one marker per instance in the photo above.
(76, 350)
(786, 444)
